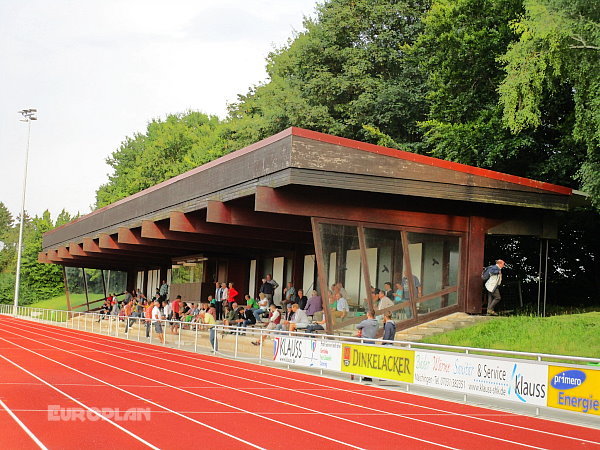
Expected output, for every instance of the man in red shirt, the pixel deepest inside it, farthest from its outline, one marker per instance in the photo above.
(176, 307)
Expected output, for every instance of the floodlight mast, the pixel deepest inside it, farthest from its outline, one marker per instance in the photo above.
(28, 116)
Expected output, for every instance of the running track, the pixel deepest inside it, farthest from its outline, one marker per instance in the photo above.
(199, 400)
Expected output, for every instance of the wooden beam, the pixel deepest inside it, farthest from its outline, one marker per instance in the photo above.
(194, 223)
(43, 258)
(63, 252)
(156, 230)
(229, 214)
(284, 202)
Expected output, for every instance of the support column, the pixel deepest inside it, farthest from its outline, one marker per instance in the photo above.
(474, 264)
(67, 293)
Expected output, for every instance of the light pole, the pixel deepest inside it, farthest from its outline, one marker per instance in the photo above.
(28, 116)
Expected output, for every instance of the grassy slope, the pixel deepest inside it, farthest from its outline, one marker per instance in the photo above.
(576, 335)
(60, 302)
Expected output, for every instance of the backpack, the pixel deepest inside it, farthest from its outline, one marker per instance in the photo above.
(485, 275)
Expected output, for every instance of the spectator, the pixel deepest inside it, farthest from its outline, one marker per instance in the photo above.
(398, 293)
(492, 286)
(339, 287)
(316, 326)
(232, 293)
(249, 318)
(389, 329)
(128, 311)
(339, 306)
(176, 308)
(224, 294)
(274, 321)
(406, 287)
(314, 304)
(368, 327)
(253, 304)
(290, 294)
(387, 287)
(263, 305)
(167, 310)
(287, 317)
(156, 321)
(164, 290)
(148, 315)
(301, 299)
(299, 320)
(268, 287)
(217, 301)
(209, 320)
(384, 301)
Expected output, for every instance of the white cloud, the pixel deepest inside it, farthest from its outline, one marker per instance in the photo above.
(98, 70)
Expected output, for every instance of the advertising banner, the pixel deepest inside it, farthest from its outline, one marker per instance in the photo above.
(502, 379)
(574, 389)
(378, 362)
(308, 352)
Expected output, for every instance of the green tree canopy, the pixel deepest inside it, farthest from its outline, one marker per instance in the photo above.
(168, 148)
(557, 56)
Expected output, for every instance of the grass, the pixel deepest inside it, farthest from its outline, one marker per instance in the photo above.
(573, 335)
(60, 302)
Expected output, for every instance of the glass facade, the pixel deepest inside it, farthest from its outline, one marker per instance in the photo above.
(95, 284)
(343, 270)
(116, 281)
(407, 273)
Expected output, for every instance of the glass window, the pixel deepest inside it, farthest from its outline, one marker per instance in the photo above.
(188, 273)
(385, 262)
(343, 269)
(95, 284)
(75, 280)
(116, 281)
(434, 261)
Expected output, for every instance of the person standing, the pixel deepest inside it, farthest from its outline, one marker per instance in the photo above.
(164, 290)
(232, 293)
(268, 287)
(389, 329)
(156, 319)
(218, 304)
(492, 285)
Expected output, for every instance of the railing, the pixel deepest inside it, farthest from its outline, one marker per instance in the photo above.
(119, 326)
(416, 366)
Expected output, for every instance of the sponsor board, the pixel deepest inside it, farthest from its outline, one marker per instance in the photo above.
(507, 380)
(308, 352)
(574, 389)
(378, 362)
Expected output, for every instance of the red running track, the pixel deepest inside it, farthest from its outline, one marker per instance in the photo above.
(72, 389)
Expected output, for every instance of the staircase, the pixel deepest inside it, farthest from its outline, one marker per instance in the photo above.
(451, 322)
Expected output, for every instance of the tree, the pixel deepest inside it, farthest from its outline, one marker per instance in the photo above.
(167, 148)
(348, 73)
(459, 52)
(558, 53)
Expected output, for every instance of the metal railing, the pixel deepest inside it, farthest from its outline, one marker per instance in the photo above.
(225, 340)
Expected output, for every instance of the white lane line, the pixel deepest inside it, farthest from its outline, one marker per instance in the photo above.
(428, 422)
(78, 402)
(23, 426)
(306, 408)
(361, 392)
(278, 413)
(170, 386)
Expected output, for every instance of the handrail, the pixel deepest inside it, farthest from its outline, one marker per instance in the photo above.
(93, 301)
(7, 310)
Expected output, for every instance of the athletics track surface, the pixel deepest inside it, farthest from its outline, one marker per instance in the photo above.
(203, 401)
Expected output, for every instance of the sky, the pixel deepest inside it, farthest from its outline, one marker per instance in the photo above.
(98, 70)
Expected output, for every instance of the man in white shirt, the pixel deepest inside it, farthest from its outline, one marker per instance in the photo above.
(299, 319)
(341, 306)
(156, 319)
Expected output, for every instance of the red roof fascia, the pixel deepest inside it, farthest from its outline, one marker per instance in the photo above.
(336, 140)
(430, 161)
